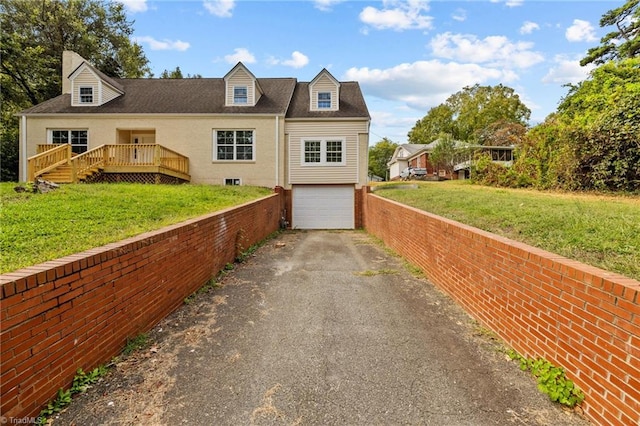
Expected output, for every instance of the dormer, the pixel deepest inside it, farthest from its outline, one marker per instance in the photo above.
(324, 92)
(241, 87)
(90, 87)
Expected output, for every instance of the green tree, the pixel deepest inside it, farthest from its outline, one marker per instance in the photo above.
(593, 141)
(177, 73)
(448, 152)
(34, 35)
(467, 113)
(437, 121)
(603, 90)
(622, 43)
(502, 133)
(379, 155)
(543, 158)
(608, 152)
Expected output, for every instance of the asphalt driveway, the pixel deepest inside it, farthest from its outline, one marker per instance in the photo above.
(319, 328)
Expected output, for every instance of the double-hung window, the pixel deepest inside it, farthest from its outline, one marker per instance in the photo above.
(86, 95)
(233, 145)
(324, 100)
(240, 95)
(323, 152)
(77, 138)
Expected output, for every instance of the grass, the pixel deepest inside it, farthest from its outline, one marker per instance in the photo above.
(40, 227)
(597, 229)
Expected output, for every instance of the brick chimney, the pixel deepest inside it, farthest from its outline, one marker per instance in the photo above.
(70, 61)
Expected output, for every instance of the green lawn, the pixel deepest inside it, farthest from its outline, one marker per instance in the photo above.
(40, 227)
(599, 230)
(603, 231)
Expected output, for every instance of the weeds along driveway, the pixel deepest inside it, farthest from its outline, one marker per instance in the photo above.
(319, 328)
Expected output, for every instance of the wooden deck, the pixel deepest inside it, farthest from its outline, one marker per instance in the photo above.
(119, 162)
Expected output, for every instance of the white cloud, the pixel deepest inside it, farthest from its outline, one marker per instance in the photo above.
(134, 6)
(492, 50)
(528, 27)
(459, 15)
(220, 8)
(389, 119)
(391, 124)
(566, 70)
(163, 44)
(325, 5)
(398, 16)
(422, 84)
(240, 55)
(509, 3)
(298, 60)
(581, 31)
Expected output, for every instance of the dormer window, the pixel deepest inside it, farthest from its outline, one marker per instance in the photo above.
(324, 100)
(90, 87)
(86, 95)
(324, 92)
(240, 95)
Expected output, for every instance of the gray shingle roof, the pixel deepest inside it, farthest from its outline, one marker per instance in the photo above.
(207, 96)
(351, 105)
(103, 76)
(176, 96)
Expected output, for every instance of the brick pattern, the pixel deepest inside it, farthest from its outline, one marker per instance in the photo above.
(79, 311)
(543, 305)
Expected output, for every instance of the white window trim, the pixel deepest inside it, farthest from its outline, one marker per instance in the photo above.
(323, 152)
(69, 130)
(93, 95)
(324, 100)
(214, 156)
(246, 88)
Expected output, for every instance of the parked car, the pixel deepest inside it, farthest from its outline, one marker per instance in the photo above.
(413, 173)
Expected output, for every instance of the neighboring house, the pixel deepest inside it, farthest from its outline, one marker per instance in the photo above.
(417, 156)
(310, 138)
(400, 159)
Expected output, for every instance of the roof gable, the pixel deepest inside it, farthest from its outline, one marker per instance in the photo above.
(324, 92)
(242, 88)
(90, 87)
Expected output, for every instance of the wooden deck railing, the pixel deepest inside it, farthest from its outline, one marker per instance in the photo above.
(48, 160)
(44, 147)
(87, 163)
(124, 157)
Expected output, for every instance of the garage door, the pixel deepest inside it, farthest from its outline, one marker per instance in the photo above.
(323, 207)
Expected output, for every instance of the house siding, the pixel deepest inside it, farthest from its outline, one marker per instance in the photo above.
(324, 84)
(355, 146)
(191, 136)
(102, 93)
(108, 94)
(85, 79)
(241, 78)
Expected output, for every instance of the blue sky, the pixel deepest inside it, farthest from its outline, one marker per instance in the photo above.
(408, 56)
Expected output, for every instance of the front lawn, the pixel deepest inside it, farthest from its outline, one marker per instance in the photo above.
(40, 227)
(600, 230)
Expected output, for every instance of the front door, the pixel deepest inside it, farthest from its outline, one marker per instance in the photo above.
(141, 138)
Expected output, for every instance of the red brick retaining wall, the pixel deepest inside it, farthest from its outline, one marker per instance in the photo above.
(79, 311)
(543, 305)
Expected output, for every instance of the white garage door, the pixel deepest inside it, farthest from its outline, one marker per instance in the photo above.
(323, 207)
